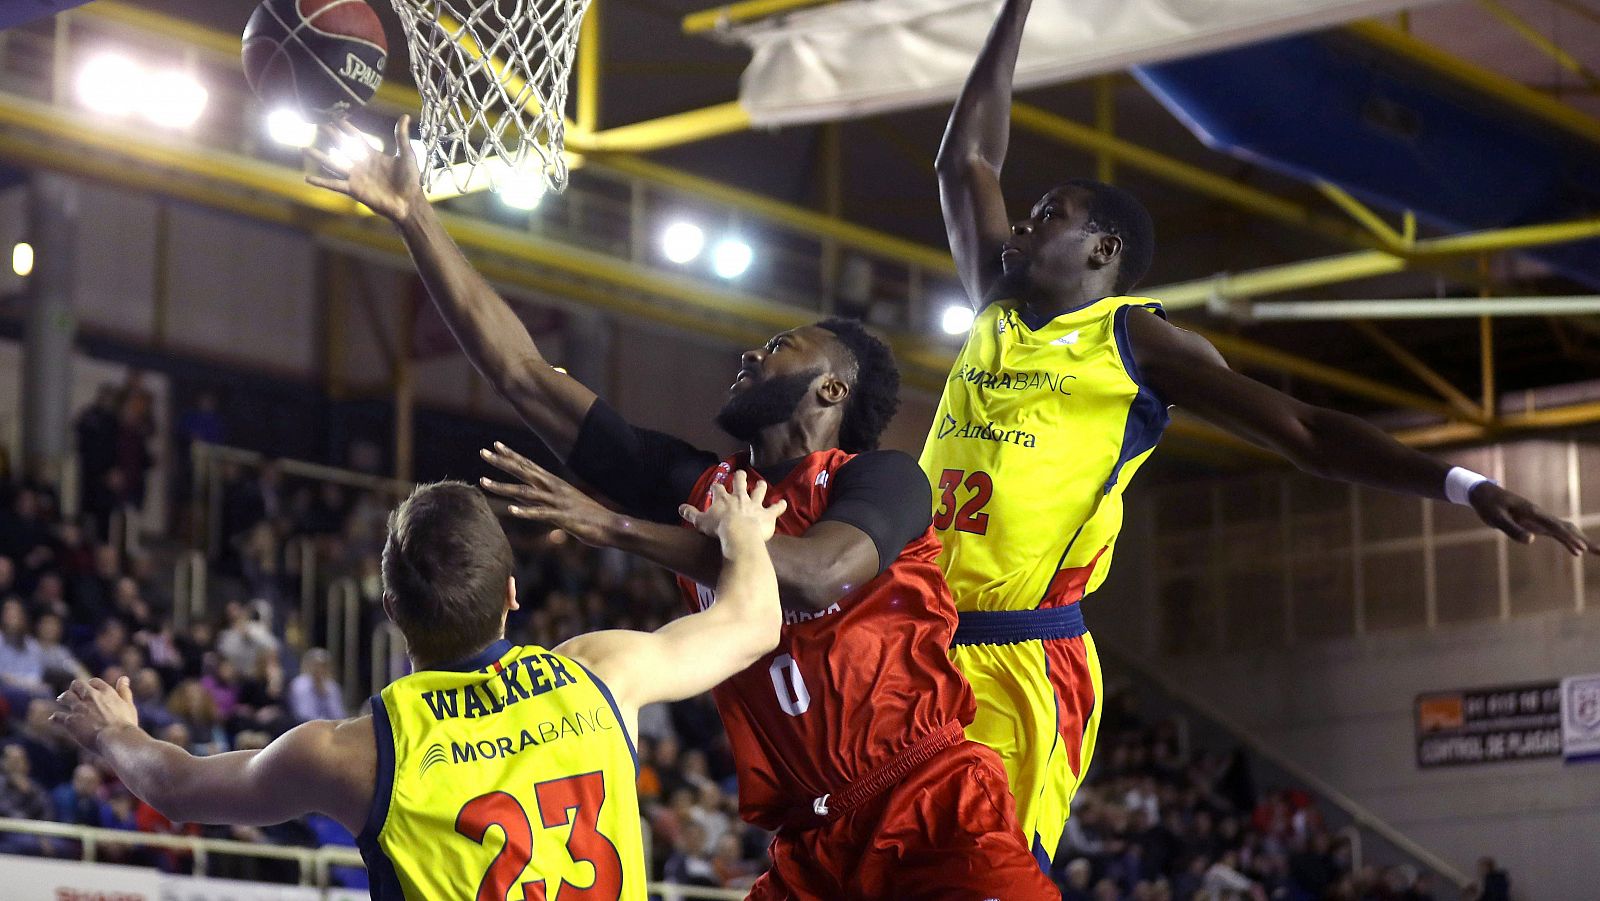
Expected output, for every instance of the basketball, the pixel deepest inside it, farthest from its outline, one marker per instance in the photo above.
(323, 57)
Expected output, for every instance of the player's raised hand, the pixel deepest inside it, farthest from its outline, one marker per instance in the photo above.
(737, 511)
(1522, 519)
(390, 184)
(89, 708)
(540, 495)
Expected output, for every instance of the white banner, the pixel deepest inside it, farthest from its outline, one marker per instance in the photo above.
(39, 879)
(36, 879)
(1580, 718)
(862, 57)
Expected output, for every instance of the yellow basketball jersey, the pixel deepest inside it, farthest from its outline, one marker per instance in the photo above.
(1037, 434)
(508, 777)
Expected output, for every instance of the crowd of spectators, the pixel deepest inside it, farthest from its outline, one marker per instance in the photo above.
(1153, 823)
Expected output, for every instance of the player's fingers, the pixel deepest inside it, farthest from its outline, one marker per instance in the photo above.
(79, 689)
(326, 160)
(125, 689)
(342, 185)
(518, 461)
(739, 484)
(778, 508)
(98, 684)
(758, 492)
(690, 514)
(402, 139)
(515, 466)
(510, 492)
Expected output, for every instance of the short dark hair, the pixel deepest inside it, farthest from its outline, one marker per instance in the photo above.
(1117, 212)
(445, 566)
(874, 387)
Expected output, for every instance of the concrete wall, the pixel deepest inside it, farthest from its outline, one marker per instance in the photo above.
(1343, 709)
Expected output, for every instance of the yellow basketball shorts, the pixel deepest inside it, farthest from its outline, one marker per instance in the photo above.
(1036, 676)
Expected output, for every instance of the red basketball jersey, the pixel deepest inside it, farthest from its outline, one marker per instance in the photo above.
(848, 688)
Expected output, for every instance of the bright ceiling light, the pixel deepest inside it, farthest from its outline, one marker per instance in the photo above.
(173, 99)
(957, 319)
(289, 128)
(522, 191)
(349, 149)
(731, 258)
(682, 242)
(111, 84)
(22, 259)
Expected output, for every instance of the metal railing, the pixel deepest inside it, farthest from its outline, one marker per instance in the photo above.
(344, 635)
(389, 661)
(190, 602)
(314, 863)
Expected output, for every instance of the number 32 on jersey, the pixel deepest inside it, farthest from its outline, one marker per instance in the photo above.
(977, 488)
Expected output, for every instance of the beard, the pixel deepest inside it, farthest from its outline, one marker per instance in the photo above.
(764, 404)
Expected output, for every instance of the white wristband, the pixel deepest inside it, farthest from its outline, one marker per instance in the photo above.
(1459, 482)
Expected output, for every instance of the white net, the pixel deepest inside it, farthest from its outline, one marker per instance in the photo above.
(493, 79)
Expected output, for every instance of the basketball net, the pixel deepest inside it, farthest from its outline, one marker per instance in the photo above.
(493, 79)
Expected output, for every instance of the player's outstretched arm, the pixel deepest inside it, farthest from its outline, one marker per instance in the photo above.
(320, 767)
(815, 569)
(498, 344)
(1186, 371)
(973, 152)
(695, 653)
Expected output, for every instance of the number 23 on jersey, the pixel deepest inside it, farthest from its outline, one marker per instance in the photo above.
(575, 800)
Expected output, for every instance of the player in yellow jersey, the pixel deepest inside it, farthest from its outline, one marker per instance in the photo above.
(1058, 397)
(493, 771)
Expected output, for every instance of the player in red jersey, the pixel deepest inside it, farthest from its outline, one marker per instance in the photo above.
(848, 738)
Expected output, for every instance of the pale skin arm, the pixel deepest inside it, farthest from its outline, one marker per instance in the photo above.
(323, 766)
(553, 404)
(693, 654)
(1186, 371)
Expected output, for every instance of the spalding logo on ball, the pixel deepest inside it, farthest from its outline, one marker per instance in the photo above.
(324, 57)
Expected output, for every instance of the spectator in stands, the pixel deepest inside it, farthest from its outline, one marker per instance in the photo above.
(50, 759)
(688, 864)
(1493, 883)
(21, 658)
(1078, 873)
(107, 647)
(81, 801)
(246, 638)
(22, 798)
(196, 710)
(314, 695)
(97, 454)
(8, 576)
(60, 664)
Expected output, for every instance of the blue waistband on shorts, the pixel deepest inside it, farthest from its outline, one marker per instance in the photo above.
(1013, 626)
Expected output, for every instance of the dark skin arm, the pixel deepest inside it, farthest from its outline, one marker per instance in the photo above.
(498, 344)
(814, 570)
(1186, 371)
(973, 152)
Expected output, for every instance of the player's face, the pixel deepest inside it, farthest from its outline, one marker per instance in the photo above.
(1055, 244)
(790, 353)
(774, 382)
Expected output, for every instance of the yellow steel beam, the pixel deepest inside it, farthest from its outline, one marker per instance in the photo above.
(589, 70)
(1525, 30)
(746, 11)
(1480, 79)
(798, 218)
(1239, 349)
(666, 131)
(1463, 405)
(1368, 264)
(1362, 213)
(1049, 125)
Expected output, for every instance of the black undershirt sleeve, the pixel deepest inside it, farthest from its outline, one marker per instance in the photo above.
(886, 495)
(645, 472)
